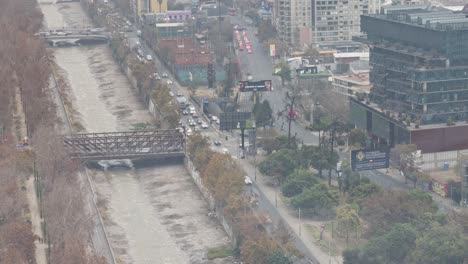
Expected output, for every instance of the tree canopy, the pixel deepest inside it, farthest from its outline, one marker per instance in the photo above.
(317, 197)
(298, 181)
(348, 219)
(441, 245)
(391, 248)
(389, 207)
(278, 257)
(263, 113)
(285, 71)
(279, 164)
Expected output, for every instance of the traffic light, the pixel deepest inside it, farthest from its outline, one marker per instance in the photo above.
(211, 75)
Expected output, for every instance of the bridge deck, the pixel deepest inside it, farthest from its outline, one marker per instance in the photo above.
(126, 145)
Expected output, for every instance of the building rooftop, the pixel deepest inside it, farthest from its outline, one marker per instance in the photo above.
(434, 18)
(351, 55)
(352, 83)
(356, 78)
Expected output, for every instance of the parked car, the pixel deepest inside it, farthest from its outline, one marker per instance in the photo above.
(164, 75)
(204, 125)
(217, 143)
(179, 93)
(169, 82)
(149, 57)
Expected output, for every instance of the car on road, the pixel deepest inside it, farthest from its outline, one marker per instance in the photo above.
(204, 125)
(247, 180)
(199, 121)
(169, 82)
(149, 57)
(171, 93)
(217, 143)
(214, 118)
(164, 75)
(195, 114)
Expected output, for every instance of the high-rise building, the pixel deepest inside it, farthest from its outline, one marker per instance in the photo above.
(302, 22)
(419, 77)
(150, 6)
(335, 21)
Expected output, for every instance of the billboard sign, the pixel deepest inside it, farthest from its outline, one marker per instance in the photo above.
(258, 86)
(365, 159)
(272, 50)
(234, 120)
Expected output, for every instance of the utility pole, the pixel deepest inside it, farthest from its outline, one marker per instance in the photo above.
(299, 221)
(289, 116)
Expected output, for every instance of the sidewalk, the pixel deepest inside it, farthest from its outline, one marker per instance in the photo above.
(291, 220)
(40, 251)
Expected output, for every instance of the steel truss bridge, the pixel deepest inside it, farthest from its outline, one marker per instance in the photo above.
(126, 145)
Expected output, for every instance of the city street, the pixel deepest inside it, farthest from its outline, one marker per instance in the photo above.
(260, 65)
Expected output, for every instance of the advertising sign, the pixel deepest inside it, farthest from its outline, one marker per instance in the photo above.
(258, 86)
(439, 187)
(234, 120)
(272, 50)
(365, 159)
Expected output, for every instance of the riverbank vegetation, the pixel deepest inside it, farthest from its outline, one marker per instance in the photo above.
(26, 109)
(224, 178)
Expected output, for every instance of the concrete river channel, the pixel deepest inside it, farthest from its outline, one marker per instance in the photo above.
(153, 213)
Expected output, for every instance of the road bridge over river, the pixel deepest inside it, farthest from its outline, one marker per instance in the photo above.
(162, 143)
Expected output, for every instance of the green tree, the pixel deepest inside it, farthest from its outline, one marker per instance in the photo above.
(400, 154)
(362, 191)
(279, 164)
(357, 138)
(387, 208)
(263, 113)
(316, 197)
(271, 144)
(391, 248)
(278, 257)
(285, 71)
(347, 217)
(298, 181)
(441, 245)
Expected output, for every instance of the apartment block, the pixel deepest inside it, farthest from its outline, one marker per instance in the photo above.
(302, 22)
